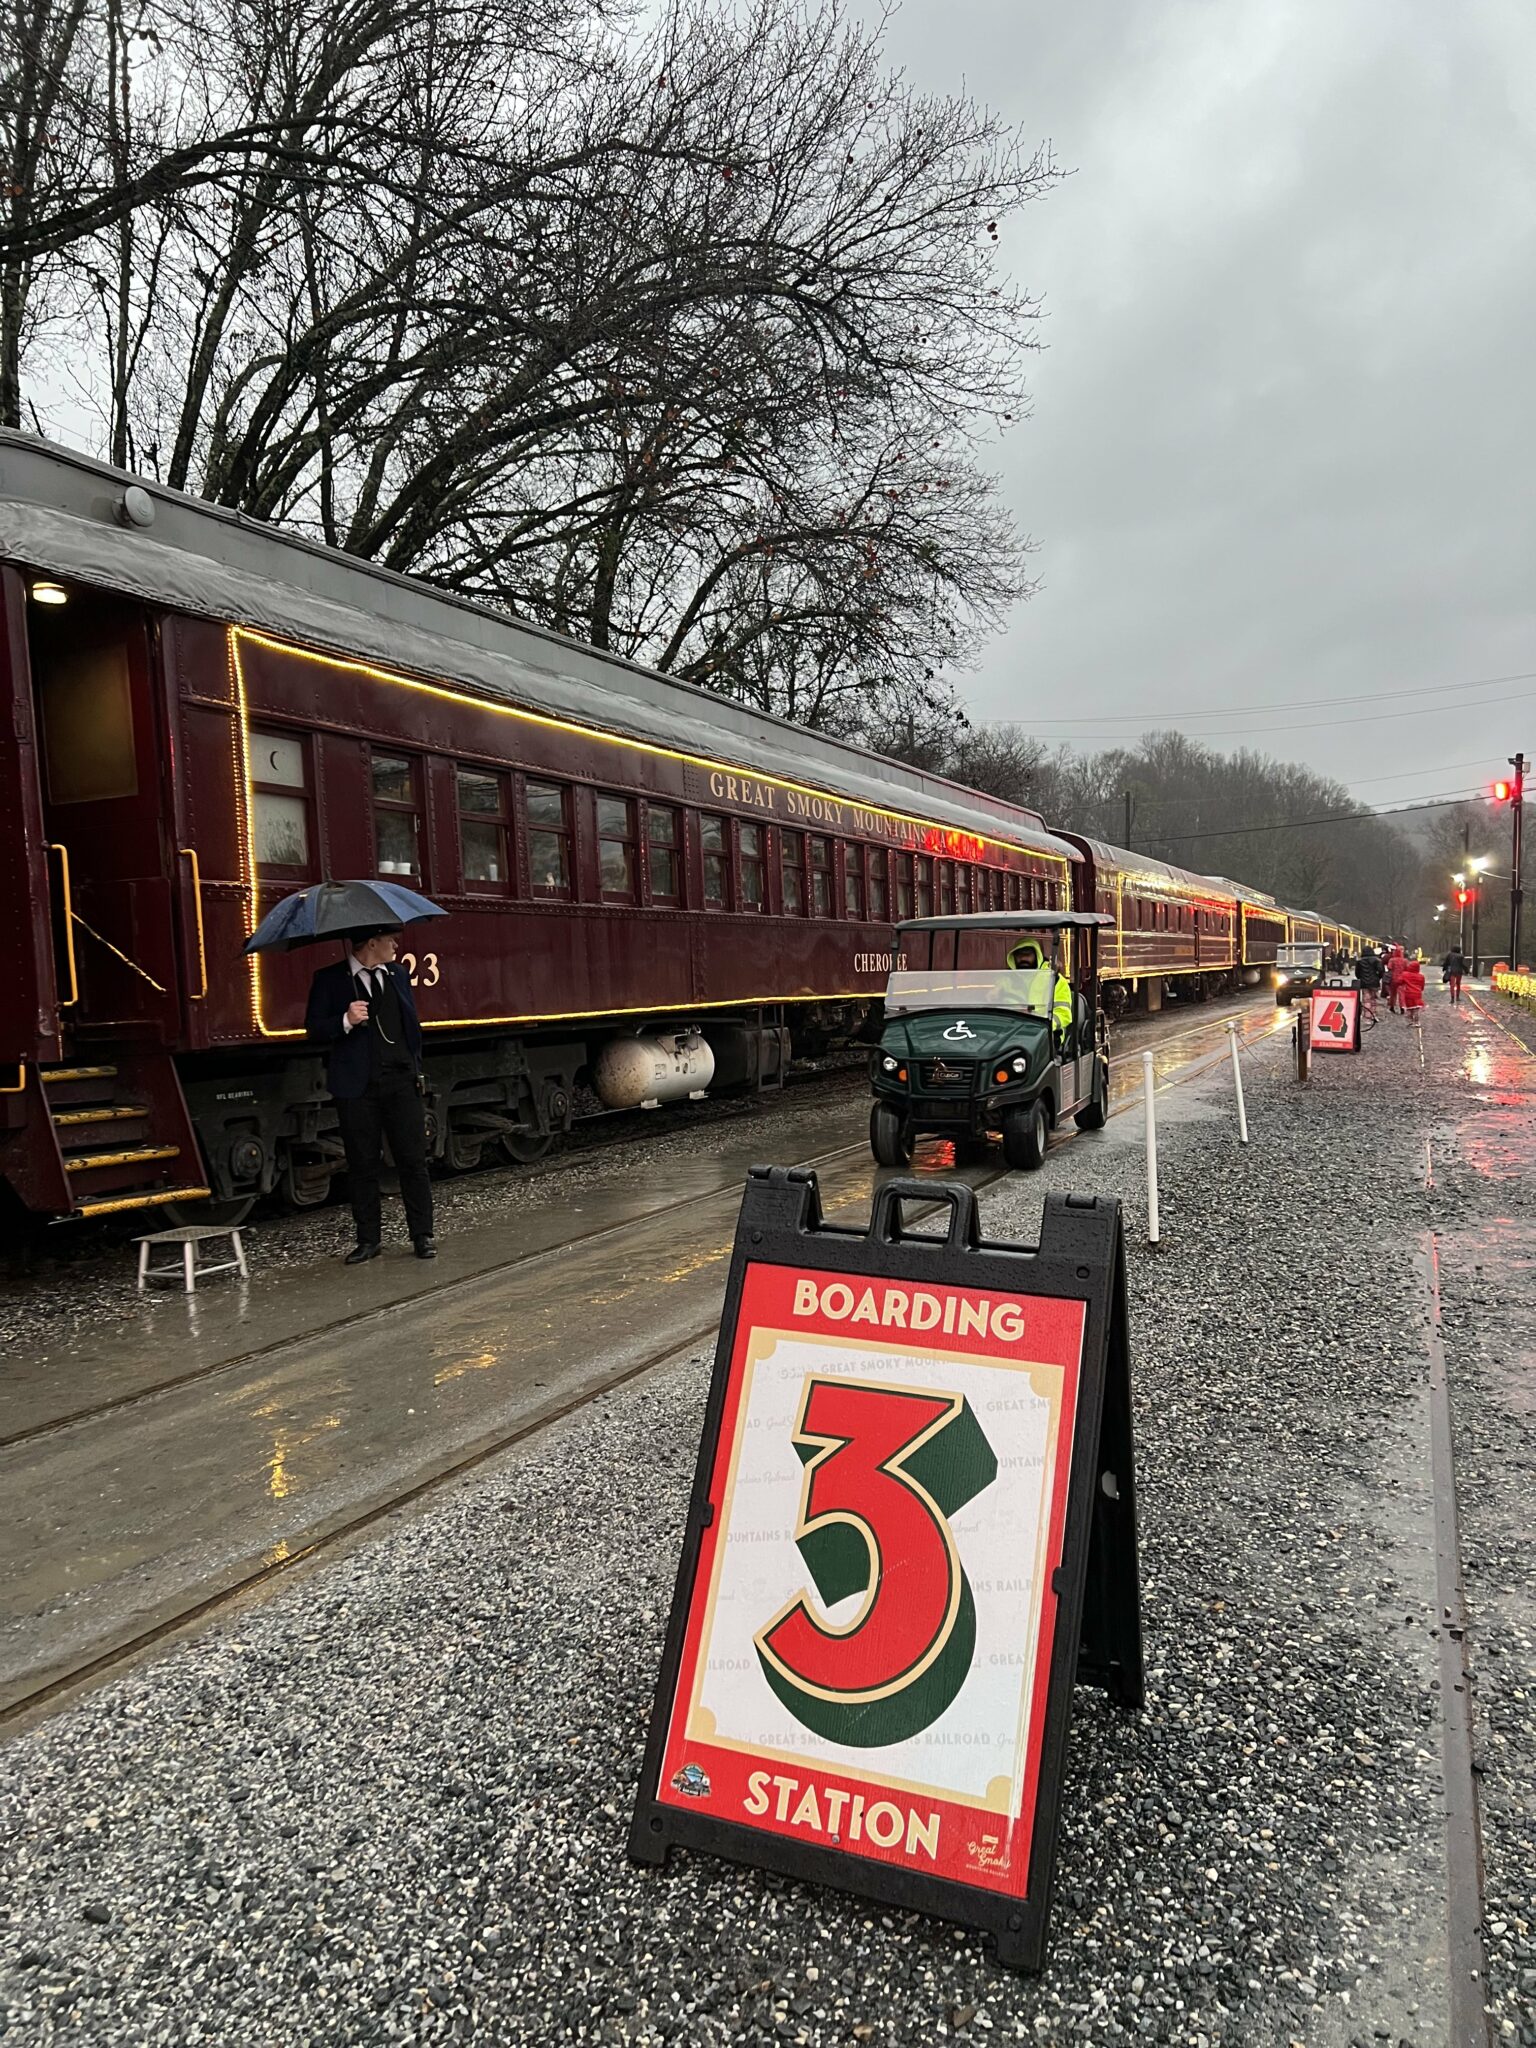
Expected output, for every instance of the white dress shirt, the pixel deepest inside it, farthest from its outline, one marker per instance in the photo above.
(366, 974)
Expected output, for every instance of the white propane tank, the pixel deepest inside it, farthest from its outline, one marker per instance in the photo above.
(632, 1072)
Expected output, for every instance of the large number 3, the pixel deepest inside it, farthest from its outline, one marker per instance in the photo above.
(885, 1468)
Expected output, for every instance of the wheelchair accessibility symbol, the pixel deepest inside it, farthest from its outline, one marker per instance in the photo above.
(959, 1030)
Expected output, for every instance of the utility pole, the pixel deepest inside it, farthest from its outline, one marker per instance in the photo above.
(1128, 846)
(1516, 811)
(1466, 863)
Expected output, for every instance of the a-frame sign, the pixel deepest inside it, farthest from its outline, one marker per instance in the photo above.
(912, 1532)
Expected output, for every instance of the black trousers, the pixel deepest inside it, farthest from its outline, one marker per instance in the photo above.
(391, 1109)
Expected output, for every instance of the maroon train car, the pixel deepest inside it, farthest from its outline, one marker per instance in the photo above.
(652, 890)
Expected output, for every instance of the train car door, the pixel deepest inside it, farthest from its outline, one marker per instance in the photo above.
(28, 1017)
(102, 752)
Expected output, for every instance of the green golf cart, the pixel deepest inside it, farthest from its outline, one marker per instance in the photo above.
(992, 1023)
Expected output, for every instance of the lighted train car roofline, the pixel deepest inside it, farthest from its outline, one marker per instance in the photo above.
(61, 513)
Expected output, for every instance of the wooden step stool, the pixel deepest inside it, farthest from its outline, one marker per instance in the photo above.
(186, 1268)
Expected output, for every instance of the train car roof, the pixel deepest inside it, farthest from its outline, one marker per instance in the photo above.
(62, 514)
(1152, 870)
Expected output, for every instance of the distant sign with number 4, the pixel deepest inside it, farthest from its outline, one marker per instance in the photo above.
(1336, 1020)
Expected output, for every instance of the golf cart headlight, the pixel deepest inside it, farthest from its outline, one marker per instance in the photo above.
(1281, 980)
(888, 1065)
(1020, 1064)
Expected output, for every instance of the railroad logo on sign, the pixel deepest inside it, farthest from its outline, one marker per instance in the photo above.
(878, 1613)
(1335, 1020)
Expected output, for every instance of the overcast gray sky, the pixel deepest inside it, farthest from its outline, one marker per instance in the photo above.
(1284, 433)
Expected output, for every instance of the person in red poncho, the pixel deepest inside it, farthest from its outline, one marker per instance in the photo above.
(1410, 988)
(1392, 979)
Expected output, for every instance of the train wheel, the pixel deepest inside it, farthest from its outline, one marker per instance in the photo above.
(889, 1138)
(525, 1148)
(1025, 1134)
(1096, 1115)
(215, 1215)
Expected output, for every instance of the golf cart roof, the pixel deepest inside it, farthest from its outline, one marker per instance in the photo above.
(1008, 921)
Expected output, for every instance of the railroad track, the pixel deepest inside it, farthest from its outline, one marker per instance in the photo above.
(26, 1704)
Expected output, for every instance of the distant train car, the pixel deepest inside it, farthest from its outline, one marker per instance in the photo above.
(1175, 933)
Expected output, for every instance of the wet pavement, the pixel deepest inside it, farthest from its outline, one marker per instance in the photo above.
(388, 1802)
(230, 1431)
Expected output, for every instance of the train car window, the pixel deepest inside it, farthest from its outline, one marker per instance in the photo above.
(279, 801)
(616, 849)
(662, 838)
(549, 838)
(716, 862)
(396, 821)
(821, 877)
(754, 893)
(792, 871)
(483, 830)
(853, 881)
(903, 886)
(924, 871)
(879, 906)
(946, 878)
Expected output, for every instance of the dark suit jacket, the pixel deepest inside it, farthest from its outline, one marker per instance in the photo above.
(348, 1060)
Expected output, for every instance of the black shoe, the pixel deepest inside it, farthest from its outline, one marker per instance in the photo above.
(360, 1253)
(426, 1248)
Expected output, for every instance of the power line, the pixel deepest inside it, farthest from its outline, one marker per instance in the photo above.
(1305, 703)
(1165, 803)
(1433, 803)
(1291, 725)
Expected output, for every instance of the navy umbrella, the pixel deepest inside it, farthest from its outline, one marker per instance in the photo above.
(330, 910)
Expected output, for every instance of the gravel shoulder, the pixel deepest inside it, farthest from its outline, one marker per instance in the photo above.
(389, 1804)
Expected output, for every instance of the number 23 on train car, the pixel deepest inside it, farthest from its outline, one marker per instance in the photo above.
(1335, 1022)
(912, 1532)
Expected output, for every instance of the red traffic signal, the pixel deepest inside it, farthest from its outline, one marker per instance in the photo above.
(1462, 896)
(1502, 791)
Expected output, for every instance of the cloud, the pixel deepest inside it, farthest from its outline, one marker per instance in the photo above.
(1283, 429)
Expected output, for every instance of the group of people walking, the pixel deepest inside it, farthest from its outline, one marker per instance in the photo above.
(1400, 977)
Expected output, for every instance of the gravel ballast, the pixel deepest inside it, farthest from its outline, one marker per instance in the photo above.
(389, 1804)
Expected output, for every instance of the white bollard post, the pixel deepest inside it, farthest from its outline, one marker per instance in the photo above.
(1148, 1087)
(1237, 1082)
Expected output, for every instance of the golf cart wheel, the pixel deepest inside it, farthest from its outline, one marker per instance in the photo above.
(889, 1138)
(1024, 1137)
(1096, 1115)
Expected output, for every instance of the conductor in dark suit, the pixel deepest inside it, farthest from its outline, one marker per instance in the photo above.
(362, 1010)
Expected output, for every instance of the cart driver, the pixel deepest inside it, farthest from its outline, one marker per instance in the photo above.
(1045, 991)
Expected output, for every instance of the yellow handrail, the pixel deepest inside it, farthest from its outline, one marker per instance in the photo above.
(69, 925)
(21, 1080)
(197, 898)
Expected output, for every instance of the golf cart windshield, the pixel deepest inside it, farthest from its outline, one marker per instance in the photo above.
(976, 969)
(977, 988)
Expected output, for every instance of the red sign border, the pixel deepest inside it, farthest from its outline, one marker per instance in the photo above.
(761, 1314)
